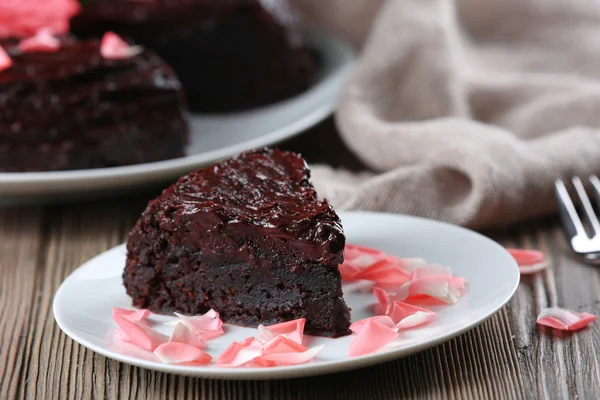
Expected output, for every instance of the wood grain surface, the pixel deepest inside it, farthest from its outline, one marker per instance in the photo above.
(507, 357)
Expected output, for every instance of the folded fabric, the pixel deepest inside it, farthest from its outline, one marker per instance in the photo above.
(465, 110)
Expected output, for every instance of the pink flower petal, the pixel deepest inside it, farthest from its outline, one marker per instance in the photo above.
(292, 358)
(281, 344)
(529, 261)
(239, 354)
(383, 299)
(5, 60)
(207, 326)
(563, 319)
(293, 330)
(372, 336)
(42, 41)
(140, 334)
(384, 273)
(183, 334)
(132, 315)
(445, 288)
(429, 270)
(119, 342)
(181, 353)
(114, 48)
(408, 316)
(384, 320)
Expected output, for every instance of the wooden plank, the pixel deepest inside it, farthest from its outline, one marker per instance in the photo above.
(20, 240)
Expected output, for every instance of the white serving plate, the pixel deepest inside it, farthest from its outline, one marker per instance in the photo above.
(83, 304)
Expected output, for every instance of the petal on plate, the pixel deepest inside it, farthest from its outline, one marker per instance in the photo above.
(178, 353)
(348, 271)
(384, 320)
(119, 342)
(372, 336)
(382, 297)
(281, 344)
(5, 61)
(384, 274)
(42, 41)
(408, 316)
(132, 315)
(564, 319)
(207, 326)
(183, 334)
(292, 358)
(430, 270)
(265, 334)
(240, 353)
(293, 330)
(446, 288)
(114, 48)
(141, 334)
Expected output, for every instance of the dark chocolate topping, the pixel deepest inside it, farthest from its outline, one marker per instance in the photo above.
(44, 90)
(261, 192)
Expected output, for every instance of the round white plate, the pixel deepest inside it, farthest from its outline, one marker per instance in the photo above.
(83, 304)
(213, 137)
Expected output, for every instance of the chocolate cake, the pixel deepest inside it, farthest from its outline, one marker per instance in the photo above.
(229, 55)
(247, 237)
(73, 108)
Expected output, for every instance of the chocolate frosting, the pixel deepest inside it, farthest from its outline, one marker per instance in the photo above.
(262, 192)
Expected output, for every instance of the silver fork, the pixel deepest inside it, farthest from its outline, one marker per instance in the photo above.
(582, 244)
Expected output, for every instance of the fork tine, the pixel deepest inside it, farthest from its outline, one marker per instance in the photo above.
(569, 216)
(587, 205)
(596, 185)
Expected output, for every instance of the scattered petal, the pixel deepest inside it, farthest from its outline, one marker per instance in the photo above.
(114, 48)
(118, 341)
(293, 330)
(383, 299)
(372, 336)
(140, 334)
(429, 270)
(183, 334)
(181, 353)
(385, 320)
(132, 315)
(239, 354)
(445, 288)
(384, 273)
(408, 316)
(42, 41)
(529, 261)
(5, 60)
(292, 358)
(207, 326)
(563, 319)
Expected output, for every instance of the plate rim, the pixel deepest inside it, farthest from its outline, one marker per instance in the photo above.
(25, 183)
(296, 371)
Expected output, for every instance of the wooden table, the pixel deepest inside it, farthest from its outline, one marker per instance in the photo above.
(506, 357)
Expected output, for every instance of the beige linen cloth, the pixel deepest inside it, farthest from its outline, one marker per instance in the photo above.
(467, 110)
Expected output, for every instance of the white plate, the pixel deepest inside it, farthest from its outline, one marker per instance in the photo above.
(213, 137)
(83, 304)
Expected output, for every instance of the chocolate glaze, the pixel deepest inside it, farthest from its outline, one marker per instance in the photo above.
(248, 237)
(72, 108)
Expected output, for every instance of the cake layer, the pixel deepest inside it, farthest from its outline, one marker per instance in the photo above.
(228, 54)
(247, 237)
(73, 108)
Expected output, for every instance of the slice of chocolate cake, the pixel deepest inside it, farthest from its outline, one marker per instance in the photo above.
(71, 104)
(247, 237)
(229, 55)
